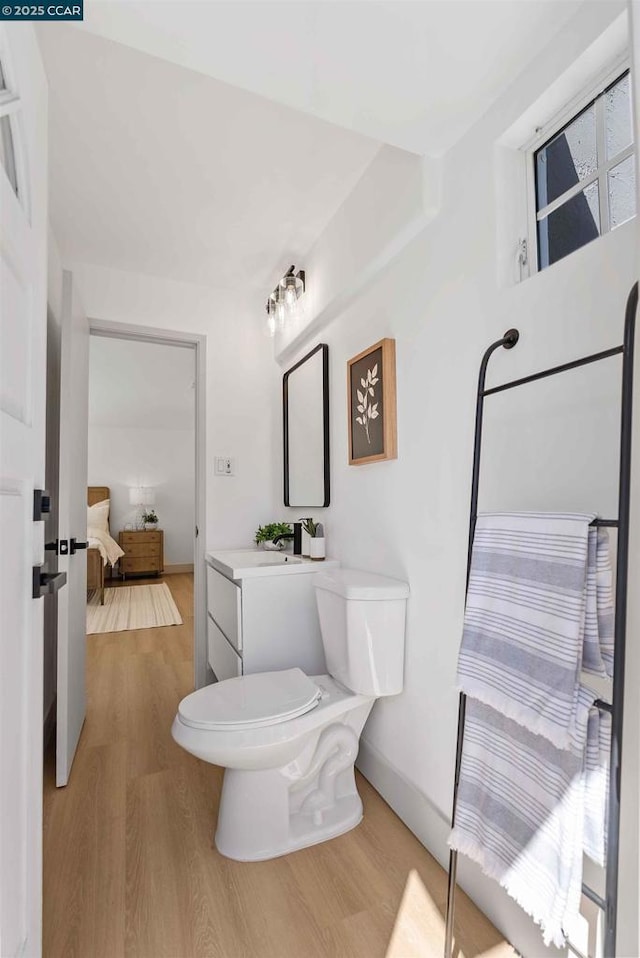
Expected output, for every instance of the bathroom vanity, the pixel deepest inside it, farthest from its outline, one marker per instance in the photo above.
(262, 614)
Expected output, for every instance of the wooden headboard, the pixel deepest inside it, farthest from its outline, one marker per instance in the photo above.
(97, 494)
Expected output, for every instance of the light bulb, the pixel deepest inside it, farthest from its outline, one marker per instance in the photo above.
(271, 318)
(290, 296)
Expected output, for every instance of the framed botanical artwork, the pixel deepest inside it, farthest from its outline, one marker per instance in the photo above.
(371, 396)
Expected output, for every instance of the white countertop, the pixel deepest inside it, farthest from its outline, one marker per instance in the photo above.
(249, 563)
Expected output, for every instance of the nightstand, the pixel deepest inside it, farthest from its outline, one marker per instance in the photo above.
(144, 552)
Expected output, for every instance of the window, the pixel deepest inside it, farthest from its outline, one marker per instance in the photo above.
(8, 102)
(585, 175)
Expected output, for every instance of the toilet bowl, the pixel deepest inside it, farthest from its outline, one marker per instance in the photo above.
(288, 741)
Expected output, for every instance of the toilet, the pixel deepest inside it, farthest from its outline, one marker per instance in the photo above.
(288, 741)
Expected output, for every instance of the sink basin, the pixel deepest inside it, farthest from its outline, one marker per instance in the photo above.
(244, 563)
(255, 558)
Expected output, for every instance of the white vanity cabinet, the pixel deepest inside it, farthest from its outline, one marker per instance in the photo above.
(262, 619)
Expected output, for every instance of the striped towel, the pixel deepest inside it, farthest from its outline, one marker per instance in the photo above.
(533, 784)
(524, 810)
(534, 618)
(599, 616)
(596, 767)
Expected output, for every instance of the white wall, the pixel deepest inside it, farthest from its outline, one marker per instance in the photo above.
(238, 377)
(550, 447)
(120, 457)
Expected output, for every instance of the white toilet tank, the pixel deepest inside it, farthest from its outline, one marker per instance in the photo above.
(362, 619)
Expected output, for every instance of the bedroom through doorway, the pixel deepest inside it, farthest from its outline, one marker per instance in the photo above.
(141, 496)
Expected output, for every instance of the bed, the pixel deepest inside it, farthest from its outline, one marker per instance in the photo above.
(102, 548)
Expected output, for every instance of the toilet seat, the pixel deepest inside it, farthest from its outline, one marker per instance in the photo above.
(250, 701)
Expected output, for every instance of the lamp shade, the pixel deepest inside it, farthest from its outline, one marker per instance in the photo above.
(142, 495)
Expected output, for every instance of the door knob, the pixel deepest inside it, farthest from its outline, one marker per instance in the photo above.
(59, 546)
(46, 583)
(63, 547)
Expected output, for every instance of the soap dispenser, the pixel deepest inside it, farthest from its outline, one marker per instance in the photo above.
(297, 538)
(306, 539)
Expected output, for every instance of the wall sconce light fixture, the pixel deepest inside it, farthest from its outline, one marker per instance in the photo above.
(283, 304)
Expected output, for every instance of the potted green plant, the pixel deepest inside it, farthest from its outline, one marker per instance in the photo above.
(266, 534)
(150, 519)
(315, 532)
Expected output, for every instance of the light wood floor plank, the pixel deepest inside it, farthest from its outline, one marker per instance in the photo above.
(131, 871)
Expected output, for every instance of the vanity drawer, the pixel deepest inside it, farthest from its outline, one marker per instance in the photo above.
(224, 604)
(223, 659)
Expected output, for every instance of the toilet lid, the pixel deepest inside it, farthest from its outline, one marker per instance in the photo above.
(249, 701)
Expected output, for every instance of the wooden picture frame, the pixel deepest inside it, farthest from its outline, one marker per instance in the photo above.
(371, 404)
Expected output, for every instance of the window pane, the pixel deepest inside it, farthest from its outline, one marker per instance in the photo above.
(618, 121)
(3, 82)
(571, 226)
(7, 155)
(621, 183)
(568, 158)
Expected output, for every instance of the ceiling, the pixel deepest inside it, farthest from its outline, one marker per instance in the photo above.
(412, 73)
(161, 170)
(211, 142)
(136, 385)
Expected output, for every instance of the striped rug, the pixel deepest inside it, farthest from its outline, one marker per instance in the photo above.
(132, 607)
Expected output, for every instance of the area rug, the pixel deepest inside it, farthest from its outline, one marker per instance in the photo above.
(132, 607)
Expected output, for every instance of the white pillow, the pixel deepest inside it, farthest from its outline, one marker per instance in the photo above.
(98, 515)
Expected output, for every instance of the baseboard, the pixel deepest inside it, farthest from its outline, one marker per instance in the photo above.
(431, 827)
(419, 814)
(49, 723)
(179, 567)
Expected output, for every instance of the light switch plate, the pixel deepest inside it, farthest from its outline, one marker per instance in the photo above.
(225, 466)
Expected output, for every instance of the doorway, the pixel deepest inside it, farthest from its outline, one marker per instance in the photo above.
(158, 488)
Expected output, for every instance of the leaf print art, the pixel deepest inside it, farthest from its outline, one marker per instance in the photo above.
(367, 408)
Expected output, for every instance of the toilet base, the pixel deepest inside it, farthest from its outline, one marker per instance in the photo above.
(267, 813)
(346, 815)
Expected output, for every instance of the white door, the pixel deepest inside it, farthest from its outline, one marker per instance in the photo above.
(72, 526)
(23, 311)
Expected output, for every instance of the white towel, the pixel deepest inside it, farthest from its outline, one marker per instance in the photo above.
(532, 617)
(520, 815)
(599, 618)
(596, 817)
(534, 775)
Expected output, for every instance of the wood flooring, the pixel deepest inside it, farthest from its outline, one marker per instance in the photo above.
(130, 868)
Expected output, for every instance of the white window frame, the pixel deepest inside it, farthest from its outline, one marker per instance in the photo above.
(550, 129)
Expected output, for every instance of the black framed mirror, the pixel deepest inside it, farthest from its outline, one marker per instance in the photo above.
(305, 411)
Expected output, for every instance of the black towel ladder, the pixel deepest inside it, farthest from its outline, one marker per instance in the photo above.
(609, 904)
